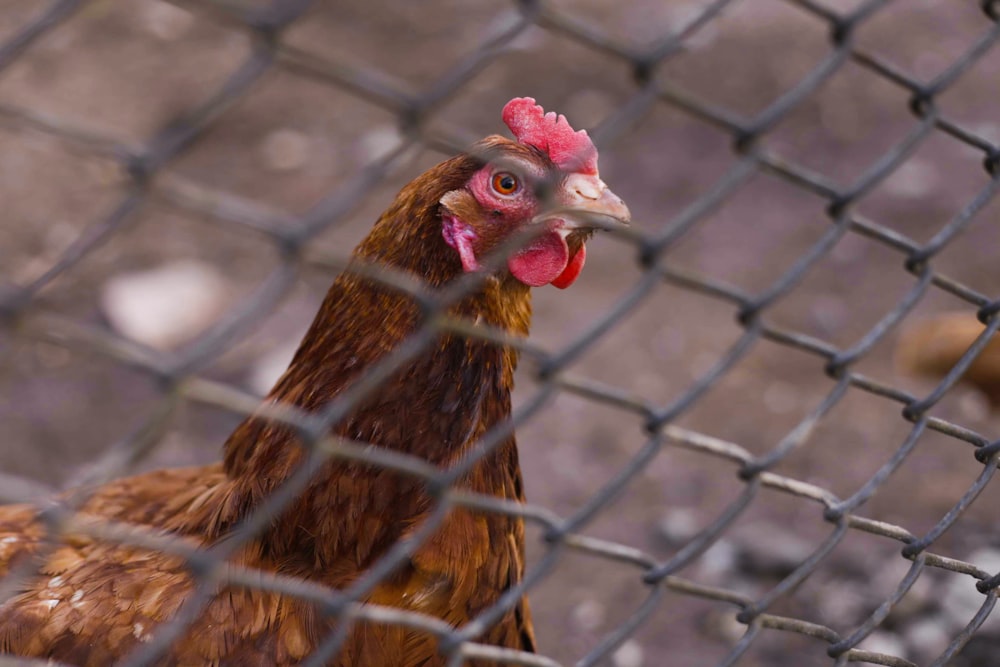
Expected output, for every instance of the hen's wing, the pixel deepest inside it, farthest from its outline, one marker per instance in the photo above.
(87, 602)
(91, 602)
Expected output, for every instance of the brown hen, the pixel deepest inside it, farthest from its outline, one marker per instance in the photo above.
(933, 346)
(93, 602)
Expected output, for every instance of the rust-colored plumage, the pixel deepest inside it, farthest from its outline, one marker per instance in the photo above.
(93, 602)
(933, 346)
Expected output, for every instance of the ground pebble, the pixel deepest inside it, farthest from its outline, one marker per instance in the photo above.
(378, 143)
(165, 21)
(884, 642)
(285, 150)
(719, 561)
(972, 404)
(913, 179)
(839, 600)
(961, 600)
(588, 616)
(677, 527)
(917, 599)
(927, 637)
(164, 306)
(628, 654)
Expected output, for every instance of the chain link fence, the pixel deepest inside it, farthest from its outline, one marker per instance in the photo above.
(756, 442)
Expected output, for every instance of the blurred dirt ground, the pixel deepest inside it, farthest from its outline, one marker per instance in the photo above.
(125, 70)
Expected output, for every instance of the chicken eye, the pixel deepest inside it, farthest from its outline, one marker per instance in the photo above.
(505, 183)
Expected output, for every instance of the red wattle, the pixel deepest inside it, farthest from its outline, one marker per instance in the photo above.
(572, 270)
(543, 261)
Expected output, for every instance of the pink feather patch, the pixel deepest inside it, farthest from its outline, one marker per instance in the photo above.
(552, 134)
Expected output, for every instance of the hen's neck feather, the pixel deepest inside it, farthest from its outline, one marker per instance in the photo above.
(435, 406)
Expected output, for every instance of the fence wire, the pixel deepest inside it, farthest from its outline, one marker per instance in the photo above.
(180, 373)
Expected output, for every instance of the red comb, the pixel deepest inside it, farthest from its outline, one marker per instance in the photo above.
(551, 134)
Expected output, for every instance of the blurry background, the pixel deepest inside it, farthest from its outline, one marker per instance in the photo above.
(116, 78)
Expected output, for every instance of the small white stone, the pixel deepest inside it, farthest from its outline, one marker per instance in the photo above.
(629, 654)
(962, 600)
(589, 615)
(51, 603)
(10, 539)
(928, 636)
(884, 642)
(916, 178)
(973, 404)
(285, 150)
(77, 596)
(164, 306)
(55, 582)
(678, 526)
(378, 143)
(166, 21)
(719, 560)
(838, 602)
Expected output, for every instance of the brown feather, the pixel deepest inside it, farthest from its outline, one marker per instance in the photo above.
(932, 346)
(92, 602)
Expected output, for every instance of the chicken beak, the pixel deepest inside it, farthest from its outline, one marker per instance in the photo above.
(593, 200)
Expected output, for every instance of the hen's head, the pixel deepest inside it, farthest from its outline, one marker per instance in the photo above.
(544, 187)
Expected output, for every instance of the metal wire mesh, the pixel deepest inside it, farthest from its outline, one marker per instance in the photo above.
(24, 313)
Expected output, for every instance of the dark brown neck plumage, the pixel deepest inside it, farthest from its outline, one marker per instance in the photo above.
(440, 402)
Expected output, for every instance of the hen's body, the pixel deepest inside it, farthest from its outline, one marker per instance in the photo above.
(95, 600)
(93, 603)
